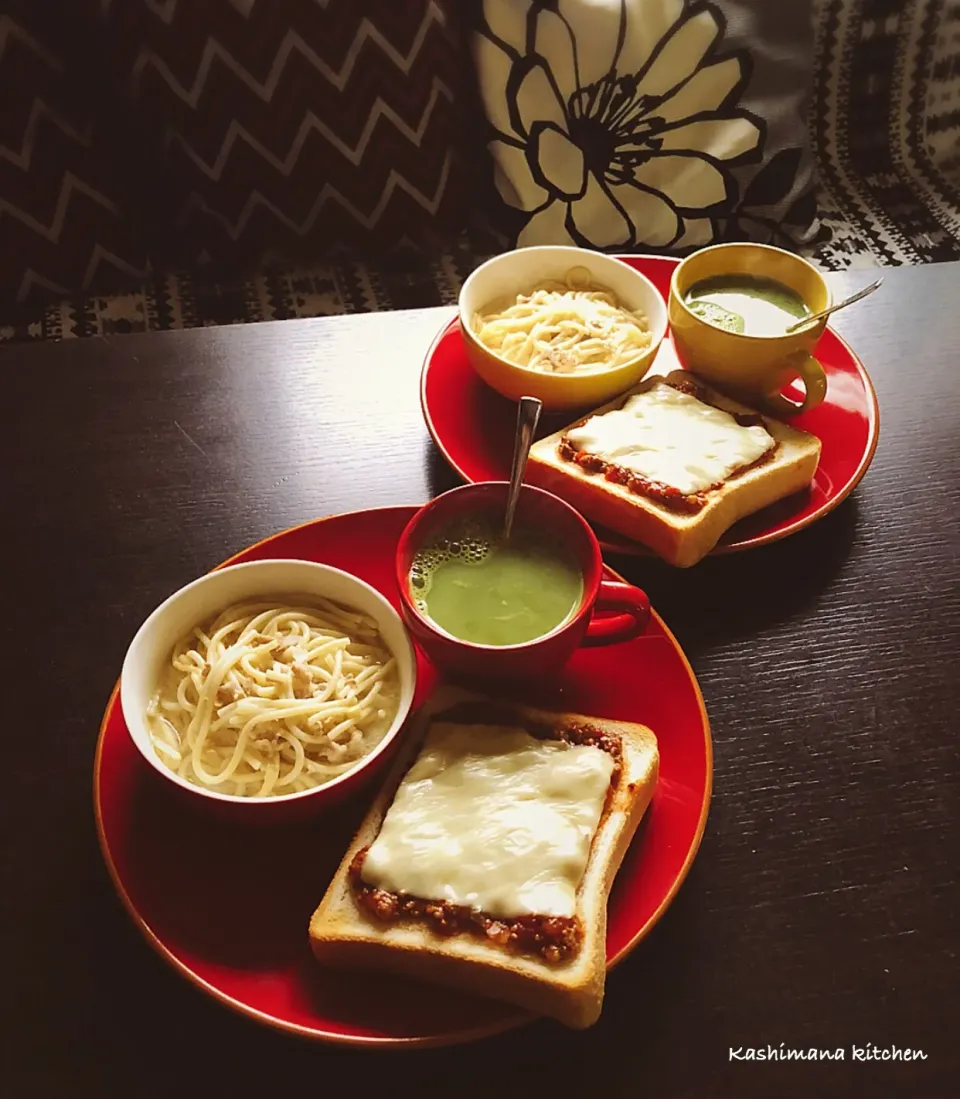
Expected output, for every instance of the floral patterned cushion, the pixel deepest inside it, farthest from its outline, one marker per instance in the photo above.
(649, 124)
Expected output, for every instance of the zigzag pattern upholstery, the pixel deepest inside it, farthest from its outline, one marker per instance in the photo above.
(293, 124)
(139, 133)
(64, 221)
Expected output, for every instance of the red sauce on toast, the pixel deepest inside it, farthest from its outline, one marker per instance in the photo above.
(553, 938)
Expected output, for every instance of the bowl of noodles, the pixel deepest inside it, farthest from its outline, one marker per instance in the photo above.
(567, 325)
(275, 683)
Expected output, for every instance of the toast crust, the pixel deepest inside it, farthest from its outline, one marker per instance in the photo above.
(344, 936)
(680, 539)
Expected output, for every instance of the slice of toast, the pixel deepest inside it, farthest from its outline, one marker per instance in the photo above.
(344, 935)
(680, 538)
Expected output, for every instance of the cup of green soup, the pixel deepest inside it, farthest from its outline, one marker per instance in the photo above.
(730, 309)
(484, 607)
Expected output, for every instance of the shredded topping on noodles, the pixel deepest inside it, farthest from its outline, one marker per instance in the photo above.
(565, 327)
(272, 699)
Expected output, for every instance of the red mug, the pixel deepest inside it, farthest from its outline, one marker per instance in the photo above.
(542, 655)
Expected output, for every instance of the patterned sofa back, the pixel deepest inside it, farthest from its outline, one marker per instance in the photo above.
(209, 132)
(140, 135)
(885, 130)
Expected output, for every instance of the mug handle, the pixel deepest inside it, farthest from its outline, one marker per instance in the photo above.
(814, 381)
(634, 608)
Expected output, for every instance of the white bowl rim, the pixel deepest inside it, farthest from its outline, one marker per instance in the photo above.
(274, 799)
(658, 331)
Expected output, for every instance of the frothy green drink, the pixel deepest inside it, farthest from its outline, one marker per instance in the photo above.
(480, 588)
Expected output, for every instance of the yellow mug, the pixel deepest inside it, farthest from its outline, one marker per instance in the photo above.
(751, 367)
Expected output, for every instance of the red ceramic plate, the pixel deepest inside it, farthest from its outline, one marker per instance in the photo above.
(473, 427)
(229, 906)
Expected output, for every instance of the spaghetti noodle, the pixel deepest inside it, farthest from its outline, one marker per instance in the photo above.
(271, 699)
(566, 327)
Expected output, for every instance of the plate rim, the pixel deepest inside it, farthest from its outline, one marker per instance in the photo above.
(873, 439)
(452, 1038)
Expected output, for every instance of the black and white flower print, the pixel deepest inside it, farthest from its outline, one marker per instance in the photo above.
(616, 122)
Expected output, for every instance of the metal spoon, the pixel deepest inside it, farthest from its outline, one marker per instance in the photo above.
(833, 308)
(528, 415)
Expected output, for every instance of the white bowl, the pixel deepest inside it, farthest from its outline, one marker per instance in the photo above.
(519, 272)
(204, 598)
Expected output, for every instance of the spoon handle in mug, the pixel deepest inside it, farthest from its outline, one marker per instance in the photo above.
(814, 317)
(528, 416)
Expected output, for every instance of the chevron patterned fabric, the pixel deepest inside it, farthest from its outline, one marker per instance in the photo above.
(184, 131)
(291, 125)
(64, 223)
(213, 135)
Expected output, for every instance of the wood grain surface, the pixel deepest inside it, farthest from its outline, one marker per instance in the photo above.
(822, 910)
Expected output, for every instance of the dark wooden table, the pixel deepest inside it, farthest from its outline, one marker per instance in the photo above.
(822, 910)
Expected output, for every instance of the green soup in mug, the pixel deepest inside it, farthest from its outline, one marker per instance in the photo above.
(483, 589)
(747, 304)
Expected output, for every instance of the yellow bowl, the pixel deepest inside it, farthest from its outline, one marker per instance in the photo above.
(521, 271)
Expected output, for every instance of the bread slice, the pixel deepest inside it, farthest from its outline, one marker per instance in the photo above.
(680, 538)
(344, 936)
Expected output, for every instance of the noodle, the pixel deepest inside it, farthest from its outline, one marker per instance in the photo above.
(566, 327)
(268, 700)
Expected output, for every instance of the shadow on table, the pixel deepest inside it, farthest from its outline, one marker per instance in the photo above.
(738, 595)
(440, 476)
(661, 969)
